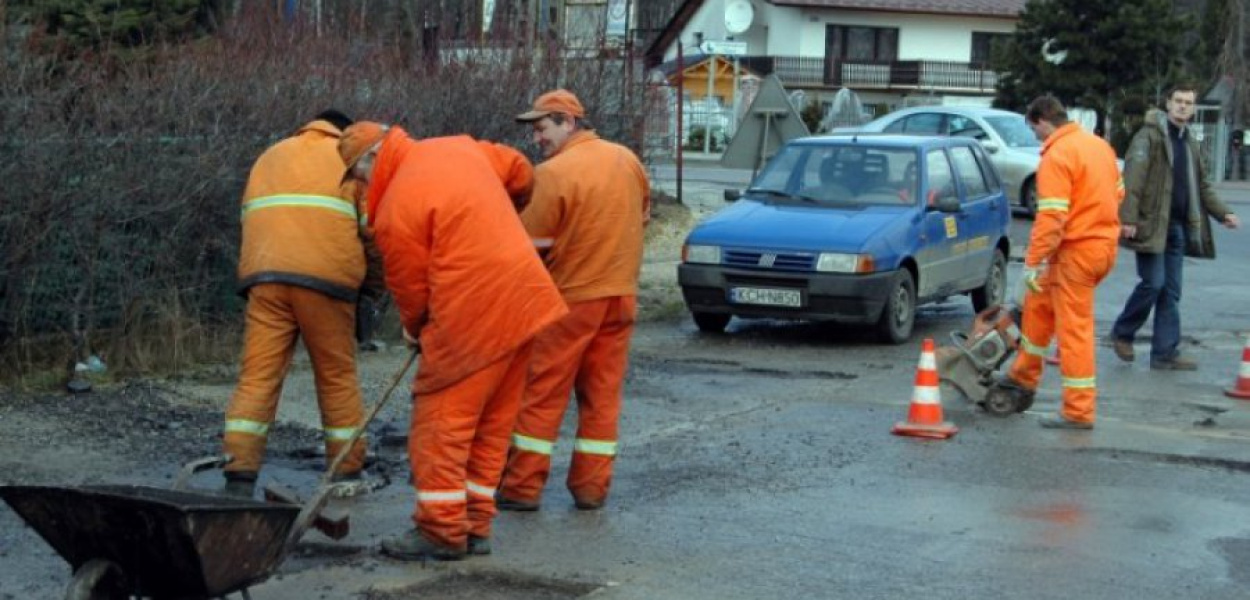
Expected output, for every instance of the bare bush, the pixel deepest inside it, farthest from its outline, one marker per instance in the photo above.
(119, 225)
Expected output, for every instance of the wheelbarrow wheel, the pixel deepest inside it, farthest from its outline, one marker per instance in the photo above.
(97, 579)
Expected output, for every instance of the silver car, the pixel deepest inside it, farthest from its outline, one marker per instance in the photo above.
(1012, 147)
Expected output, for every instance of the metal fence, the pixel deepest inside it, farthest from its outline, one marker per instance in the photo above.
(805, 71)
(704, 126)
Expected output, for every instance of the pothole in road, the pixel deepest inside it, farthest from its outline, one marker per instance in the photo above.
(481, 585)
(1170, 459)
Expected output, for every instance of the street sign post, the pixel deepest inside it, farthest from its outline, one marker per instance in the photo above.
(724, 48)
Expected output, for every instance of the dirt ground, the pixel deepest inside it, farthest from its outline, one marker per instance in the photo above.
(142, 431)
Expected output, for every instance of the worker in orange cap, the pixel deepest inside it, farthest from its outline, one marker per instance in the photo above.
(588, 210)
(473, 294)
(302, 265)
(1071, 249)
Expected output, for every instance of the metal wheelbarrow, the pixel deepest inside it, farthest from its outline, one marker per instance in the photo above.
(127, 541)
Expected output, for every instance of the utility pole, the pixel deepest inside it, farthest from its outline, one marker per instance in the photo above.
(1236, 68)
(1240, 61)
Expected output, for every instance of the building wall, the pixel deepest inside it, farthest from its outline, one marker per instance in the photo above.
(920, 37)
(783, 31)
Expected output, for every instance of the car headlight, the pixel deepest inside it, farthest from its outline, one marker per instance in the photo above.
(834, 262)
(694, 253)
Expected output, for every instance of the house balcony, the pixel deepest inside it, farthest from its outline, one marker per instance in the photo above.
(890, 76)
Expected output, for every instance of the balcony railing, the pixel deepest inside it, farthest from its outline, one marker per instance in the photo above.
(935, 75)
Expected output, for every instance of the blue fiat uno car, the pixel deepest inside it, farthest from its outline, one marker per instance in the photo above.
(856, 229)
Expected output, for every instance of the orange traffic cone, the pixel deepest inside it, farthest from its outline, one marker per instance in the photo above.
(1241, 389)
(924, 418)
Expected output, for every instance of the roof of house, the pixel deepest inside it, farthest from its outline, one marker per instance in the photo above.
(689, 61)
(965, 8)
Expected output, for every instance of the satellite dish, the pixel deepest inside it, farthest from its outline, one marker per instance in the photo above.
(1054, 57)
(738, 16)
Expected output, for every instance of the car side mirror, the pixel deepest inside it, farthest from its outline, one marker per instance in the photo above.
(732, 195)
(989, 146)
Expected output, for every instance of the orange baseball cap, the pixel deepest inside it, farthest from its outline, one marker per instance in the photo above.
(555, 101)
(357, 139)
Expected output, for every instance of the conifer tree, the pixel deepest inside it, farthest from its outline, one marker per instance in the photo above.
(1091, 54)
(97, 24)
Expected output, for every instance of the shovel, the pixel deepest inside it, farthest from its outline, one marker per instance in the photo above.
(334, 525)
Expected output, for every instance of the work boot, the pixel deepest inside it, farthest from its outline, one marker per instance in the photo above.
(479, 546)
(1176, 364)
(1123, 349)
(587, 504)
(1058, 421)
(503, 503)
(411, 545)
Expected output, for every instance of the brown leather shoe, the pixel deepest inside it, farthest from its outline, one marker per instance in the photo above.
(1123, 349)
(1176, 364)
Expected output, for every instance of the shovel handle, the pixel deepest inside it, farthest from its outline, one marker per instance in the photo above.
(319, 498)
(351, 441)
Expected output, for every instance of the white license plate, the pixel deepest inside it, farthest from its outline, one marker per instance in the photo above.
(766, 296)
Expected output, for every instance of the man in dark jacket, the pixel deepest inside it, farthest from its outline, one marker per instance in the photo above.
(1164, 218)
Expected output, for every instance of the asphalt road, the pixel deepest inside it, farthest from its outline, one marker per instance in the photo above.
(759, 464)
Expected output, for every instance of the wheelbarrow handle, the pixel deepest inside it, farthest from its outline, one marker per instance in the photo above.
(183, 481)
(319, 498)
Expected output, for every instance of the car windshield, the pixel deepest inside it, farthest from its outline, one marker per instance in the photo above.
(1014, 131)
(842, 175)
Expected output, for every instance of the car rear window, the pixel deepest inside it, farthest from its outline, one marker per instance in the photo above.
(845, 175)
(1014, 131)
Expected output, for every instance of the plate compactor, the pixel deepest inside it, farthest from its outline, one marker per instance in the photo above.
(970, 364)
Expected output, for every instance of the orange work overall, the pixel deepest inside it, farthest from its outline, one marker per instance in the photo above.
(1065, 307)
(1075, 232)
(457, 446)
(586, 351)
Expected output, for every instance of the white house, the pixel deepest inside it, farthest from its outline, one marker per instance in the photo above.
(892, 53)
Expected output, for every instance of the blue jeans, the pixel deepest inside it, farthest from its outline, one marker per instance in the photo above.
(1159, 289)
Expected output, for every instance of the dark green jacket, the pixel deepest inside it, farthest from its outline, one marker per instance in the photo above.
(1148, 192)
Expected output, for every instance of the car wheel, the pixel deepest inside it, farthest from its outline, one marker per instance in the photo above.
(898, 316)
(711, 322)
(992, 292)
(1028, 196)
